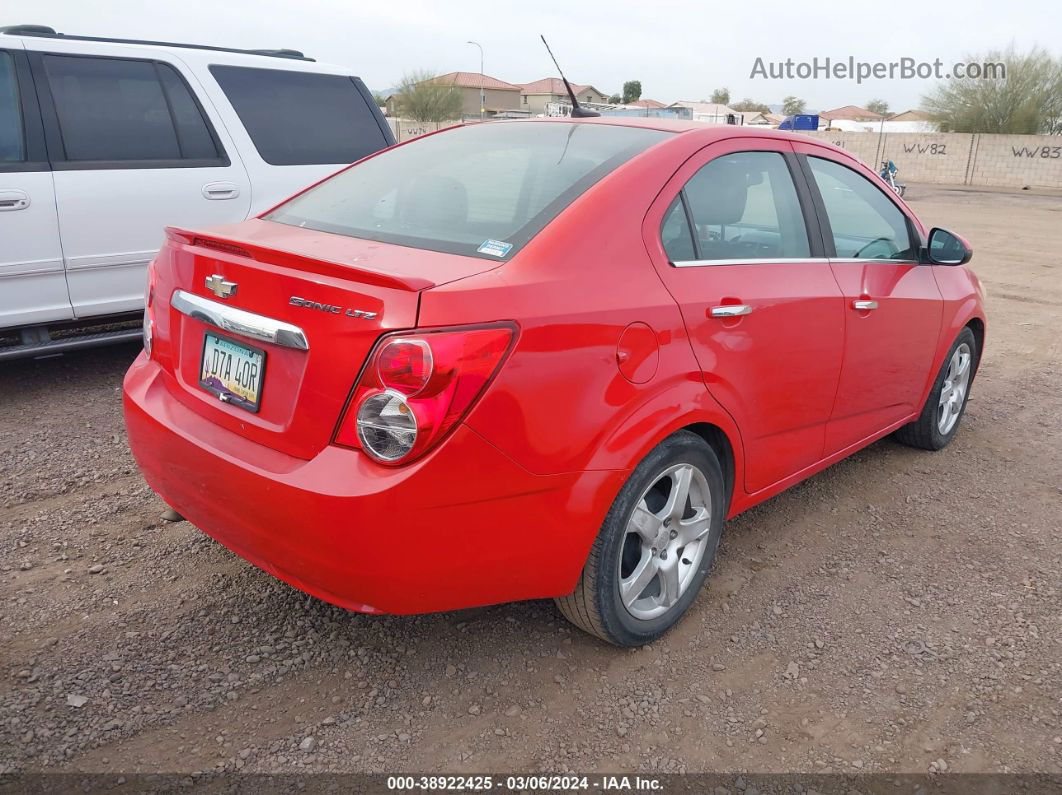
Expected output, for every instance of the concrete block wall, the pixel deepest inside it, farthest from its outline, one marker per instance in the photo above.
(404, 129)
(1013, 161)
(1017, 161)
(861, 144)
(939, 158)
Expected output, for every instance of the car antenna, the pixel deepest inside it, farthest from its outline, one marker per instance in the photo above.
(578, 111)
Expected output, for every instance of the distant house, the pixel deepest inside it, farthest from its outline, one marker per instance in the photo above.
(536, 95)
(850, 113)
(499, 97)
(758, 119)
(911, 115)
(652, 104)
(847, 125)
(709, 112)
(915, 121)
(910, 121)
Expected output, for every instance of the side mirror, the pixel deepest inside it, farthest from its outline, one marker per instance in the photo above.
(946, 248)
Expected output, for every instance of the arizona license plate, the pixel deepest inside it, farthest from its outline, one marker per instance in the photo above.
(232, 371)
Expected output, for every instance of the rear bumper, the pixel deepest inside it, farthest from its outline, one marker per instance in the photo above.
(461, 527)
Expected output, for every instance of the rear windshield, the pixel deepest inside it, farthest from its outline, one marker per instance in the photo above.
(482, 190)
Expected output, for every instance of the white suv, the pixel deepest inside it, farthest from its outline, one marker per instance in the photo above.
(103, 142)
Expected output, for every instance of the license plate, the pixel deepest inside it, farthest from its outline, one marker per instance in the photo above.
(232, 371)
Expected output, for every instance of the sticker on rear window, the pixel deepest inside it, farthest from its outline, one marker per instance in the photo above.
(496, 248)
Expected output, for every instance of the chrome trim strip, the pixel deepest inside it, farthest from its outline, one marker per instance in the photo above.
(707, 263)
(872, 261)
(239, 321)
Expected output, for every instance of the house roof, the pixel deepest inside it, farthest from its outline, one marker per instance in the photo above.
(646, 103)
(754, 117)
(911, 115)
(475, 80)
(852, 112)
(555, 86)
(548, 85)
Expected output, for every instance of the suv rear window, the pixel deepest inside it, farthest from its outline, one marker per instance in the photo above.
(482, 190)
(12, 147)
(116, 110)
(301, 118)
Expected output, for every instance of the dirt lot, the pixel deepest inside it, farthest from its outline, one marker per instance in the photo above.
(900, 612)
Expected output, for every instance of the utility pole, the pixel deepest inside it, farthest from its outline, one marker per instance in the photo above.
(482, 102)
(881, 134)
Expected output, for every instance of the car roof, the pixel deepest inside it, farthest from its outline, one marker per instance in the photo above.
(706, 132)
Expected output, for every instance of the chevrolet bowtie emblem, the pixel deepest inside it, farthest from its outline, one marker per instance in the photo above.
(219, 287)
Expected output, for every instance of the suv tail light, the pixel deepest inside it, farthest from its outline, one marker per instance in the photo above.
(416, 386)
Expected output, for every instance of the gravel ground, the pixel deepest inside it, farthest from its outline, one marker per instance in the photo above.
(901, 611)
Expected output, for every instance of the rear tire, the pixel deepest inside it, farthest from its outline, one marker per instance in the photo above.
(939, 421)
(655, 547)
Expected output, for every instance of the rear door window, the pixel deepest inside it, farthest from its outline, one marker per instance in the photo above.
(676, 235)
(12, 140)
(301, 118)
(745, 206)
(116, 111)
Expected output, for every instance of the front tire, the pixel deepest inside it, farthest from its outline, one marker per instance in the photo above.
(938, 423)
(655, 547)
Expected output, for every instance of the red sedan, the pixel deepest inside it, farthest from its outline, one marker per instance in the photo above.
(543, 359)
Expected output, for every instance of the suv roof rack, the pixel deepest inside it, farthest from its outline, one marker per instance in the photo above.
(46, 32)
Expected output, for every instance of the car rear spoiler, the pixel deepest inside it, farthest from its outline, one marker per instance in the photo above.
(244, 248)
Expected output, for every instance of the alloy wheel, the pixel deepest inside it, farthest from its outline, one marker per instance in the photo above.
(953, 391)
(665, 541)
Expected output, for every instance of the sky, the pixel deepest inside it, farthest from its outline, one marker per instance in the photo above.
(678, 50)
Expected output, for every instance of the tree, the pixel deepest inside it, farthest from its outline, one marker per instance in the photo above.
(747, 105)
(421, 97)
(878, 106)
(721, 96)
(1028, 101)
(793, 106)
(379, 98)
(615, 99)
(632, 91)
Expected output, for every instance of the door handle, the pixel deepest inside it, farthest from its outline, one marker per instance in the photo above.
(730, 310)
(13, 200)
(221, 190)
(864, 305)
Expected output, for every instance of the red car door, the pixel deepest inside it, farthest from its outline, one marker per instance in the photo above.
(892, 305)
(742, 256)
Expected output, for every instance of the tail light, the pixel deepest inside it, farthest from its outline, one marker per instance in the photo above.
(417, 386)
(149, 297)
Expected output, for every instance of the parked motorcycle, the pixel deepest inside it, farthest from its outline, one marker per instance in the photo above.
(888, 175)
